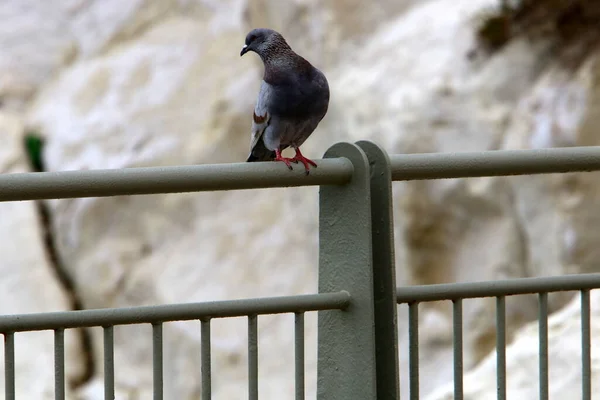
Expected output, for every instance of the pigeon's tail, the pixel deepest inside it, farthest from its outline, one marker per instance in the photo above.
(260, 153)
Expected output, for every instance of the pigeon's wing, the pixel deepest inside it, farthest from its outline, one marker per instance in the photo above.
(260, 122)
(309, 109)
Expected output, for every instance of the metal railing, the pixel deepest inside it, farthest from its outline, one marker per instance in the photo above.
(156, 316)
(457, 292)
(357, 299)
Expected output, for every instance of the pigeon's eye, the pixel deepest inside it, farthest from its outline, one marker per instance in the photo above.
(251, 39)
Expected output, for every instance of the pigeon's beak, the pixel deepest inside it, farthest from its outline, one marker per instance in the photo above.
(244, 50)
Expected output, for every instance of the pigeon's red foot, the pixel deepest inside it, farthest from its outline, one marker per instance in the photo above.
(300, 158)
(285, 160)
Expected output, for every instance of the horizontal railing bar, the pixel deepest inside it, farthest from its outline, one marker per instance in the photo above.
(174, 312)
(237, 176)
(507, 287)
(494, 163)
(174, 179)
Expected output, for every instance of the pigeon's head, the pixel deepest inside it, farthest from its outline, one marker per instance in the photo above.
(264, 42)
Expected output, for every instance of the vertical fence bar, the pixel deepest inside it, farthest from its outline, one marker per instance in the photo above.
(109, 363)
(413, 350)
(457, 321)
(543, 345)
(9, 366)
(157, 360)
(299, 354)
(205, 358)
(252, 357)
(384, 273)
(501, 347)
(346, 339)
(586, 366)
(59, 364)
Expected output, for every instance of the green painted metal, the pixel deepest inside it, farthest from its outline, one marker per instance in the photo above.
(384, 272)
(457, 337)
(109, 363)
(173, 312)
(413, 350)
(357, 347)
(205, 357)
(59, 364)
(157, 361)
(210, 177)
(501, 347)
(506, 287)
(299, 380)
(177, 179)
(586, 347)
(9, 366)
(252, 357)
(543, 345)
(494, 163)
(346, 340)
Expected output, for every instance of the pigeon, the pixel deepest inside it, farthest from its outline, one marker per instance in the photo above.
(293, 99)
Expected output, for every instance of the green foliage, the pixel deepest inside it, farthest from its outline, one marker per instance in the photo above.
(34, 146)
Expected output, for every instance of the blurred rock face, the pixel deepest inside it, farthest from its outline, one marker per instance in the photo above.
(154, 82)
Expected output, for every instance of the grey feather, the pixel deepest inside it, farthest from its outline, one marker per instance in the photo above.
(260, 122)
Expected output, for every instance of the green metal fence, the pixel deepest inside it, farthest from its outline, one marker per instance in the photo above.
(357, 299)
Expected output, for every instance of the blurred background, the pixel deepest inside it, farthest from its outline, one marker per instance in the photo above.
(88, 84)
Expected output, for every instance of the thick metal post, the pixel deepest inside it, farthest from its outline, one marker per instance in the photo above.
(384, 272)
(346, 348)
